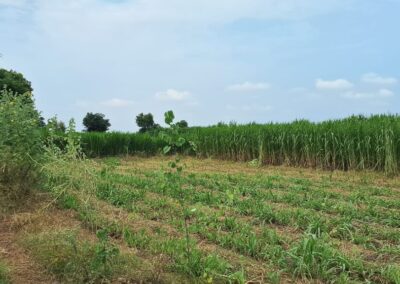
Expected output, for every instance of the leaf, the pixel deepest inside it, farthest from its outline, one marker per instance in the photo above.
(166, 149)
(169, 117)
(181, 141)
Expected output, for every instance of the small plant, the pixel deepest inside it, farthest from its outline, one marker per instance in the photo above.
(4, 273)
(174, 177)
(105, 253)
(174, 140)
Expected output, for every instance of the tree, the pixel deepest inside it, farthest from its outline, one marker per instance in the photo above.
(182, 124)
(14, 82)
(96, 122)
(145, 122)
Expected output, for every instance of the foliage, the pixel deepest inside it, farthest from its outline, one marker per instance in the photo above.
(96, 122)
(289, 222)
(354, 143)
(97, 144)
(20, 145)
(58, 125)
(146, 122)
(4, 273)
(75, 261)
(173, 138)
(182, 124)
(173, 178)
(14, 82)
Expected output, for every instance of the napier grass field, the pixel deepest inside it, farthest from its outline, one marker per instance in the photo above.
(357, 142)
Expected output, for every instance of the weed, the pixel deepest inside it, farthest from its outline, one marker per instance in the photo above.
(4, 273)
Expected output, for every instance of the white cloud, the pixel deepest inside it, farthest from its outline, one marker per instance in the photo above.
(117, 103)
(382, 93)
(251, 107)
(374, 78)
(248, 87)
(339, 84)
(173, 95)
(385, 93)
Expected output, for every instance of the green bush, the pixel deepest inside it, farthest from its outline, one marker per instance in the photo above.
(20, 145)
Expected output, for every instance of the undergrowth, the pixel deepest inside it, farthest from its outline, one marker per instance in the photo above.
(72, 260)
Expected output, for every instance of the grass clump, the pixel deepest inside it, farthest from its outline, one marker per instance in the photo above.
(72, 260)
(4, 273)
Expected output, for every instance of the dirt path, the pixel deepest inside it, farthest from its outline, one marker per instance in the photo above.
(23, 268)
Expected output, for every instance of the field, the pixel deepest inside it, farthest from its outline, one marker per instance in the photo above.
(129, 220)
(354, 143)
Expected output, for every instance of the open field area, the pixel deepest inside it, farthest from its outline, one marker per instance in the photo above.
(231, 222)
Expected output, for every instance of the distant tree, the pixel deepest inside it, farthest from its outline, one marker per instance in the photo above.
(42, 122)
(14, 82)
(96, 122)
(60, 126)
(54, 123)
(145, 122)
(182, 124)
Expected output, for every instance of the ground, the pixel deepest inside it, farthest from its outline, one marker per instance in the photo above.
(243, 222)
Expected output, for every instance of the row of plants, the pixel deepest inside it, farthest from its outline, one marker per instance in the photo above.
(354, 143)
(230, 233)
(262, 202)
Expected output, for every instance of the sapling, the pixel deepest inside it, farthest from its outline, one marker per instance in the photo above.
(176, 143)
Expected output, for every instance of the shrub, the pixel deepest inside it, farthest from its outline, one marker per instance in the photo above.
(20, 145)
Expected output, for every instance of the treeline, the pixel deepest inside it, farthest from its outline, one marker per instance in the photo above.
(354, 143)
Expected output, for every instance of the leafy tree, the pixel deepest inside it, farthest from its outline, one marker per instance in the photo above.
(96, 122)
(14, 82)
(145, 122)
(182, 124)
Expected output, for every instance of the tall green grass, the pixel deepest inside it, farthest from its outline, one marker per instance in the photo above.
(356, 142)
(97, 144)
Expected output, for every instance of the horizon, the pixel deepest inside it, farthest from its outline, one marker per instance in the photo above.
(244, 61)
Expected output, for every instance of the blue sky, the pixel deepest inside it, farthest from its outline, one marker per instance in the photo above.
(209, 61)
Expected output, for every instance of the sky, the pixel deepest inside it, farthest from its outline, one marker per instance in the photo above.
(207, 60)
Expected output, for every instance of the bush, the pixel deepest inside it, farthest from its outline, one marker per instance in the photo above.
(20, 145)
